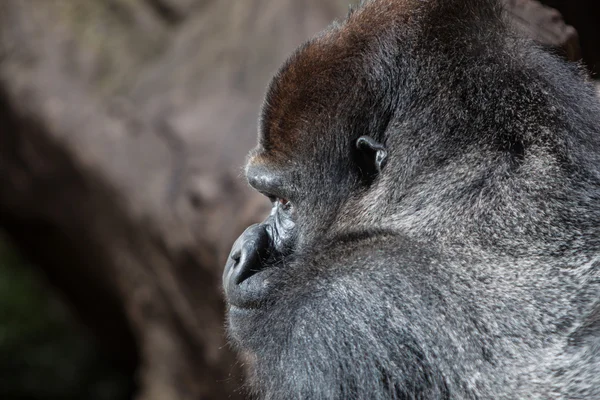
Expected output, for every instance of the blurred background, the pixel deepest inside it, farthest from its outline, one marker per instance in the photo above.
(124, 126)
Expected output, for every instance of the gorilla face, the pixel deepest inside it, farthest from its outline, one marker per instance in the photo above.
(292, 225)
(435, 222)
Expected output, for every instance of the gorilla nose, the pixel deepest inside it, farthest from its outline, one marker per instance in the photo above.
(246, 258)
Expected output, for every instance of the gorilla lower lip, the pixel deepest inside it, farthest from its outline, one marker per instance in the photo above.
(250, 294)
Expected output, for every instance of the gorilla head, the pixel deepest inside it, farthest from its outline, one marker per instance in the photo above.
(435, 183)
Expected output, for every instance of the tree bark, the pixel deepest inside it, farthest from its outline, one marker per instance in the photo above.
(583, 15)
(545, 25)
(123, 128)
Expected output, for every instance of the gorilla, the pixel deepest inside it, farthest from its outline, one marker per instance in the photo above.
(435, 223)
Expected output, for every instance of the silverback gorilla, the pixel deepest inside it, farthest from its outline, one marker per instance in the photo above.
(435, 230)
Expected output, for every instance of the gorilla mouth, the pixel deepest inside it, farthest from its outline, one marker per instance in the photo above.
(245, 302)
(251, 293)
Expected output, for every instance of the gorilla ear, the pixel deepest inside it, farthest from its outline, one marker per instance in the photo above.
(372, 156)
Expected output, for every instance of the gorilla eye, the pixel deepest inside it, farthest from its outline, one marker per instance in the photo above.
(284, 203)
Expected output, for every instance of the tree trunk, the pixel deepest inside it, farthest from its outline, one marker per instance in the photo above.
(123, 128)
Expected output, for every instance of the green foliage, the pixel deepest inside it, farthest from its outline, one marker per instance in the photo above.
(43, 354)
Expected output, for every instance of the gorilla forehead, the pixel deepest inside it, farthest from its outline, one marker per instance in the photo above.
(306, 99)
(333, 83)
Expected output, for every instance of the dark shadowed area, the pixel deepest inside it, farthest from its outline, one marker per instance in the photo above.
(124, 125)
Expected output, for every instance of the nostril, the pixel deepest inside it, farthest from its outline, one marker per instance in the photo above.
(248, 263)
(247, 258)
(236, 255)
